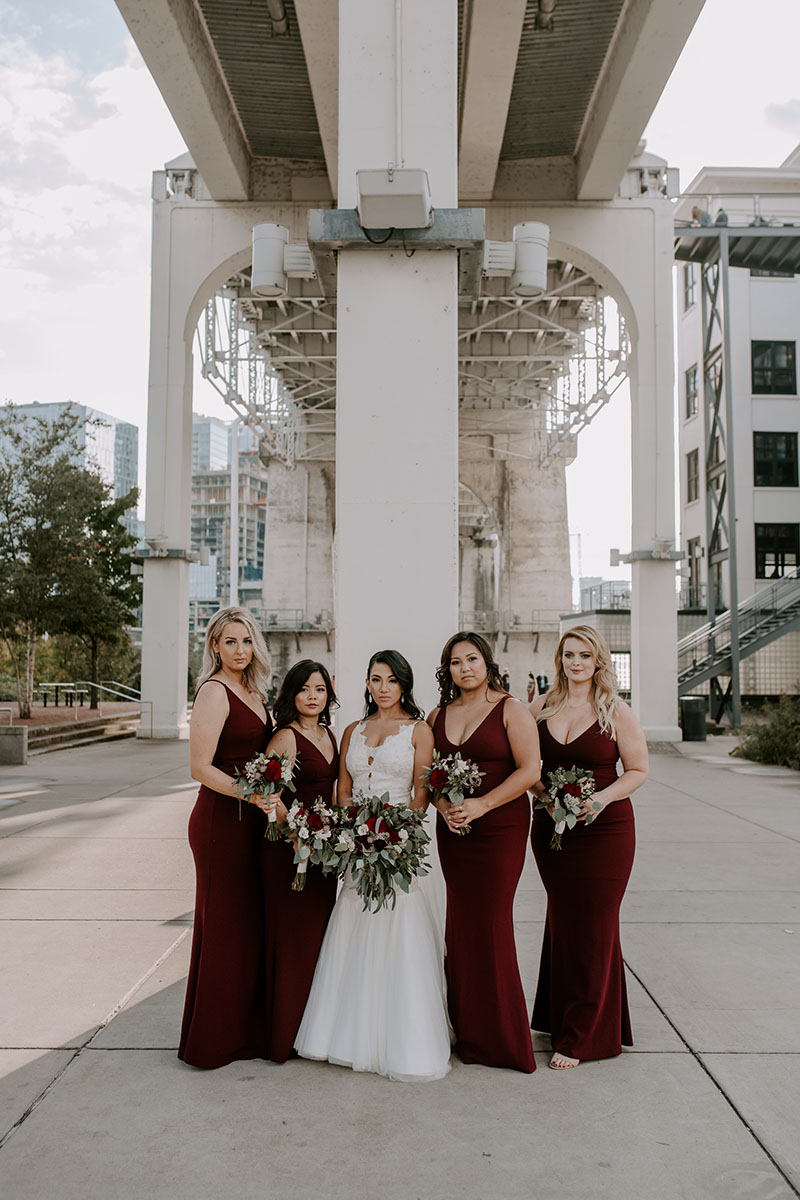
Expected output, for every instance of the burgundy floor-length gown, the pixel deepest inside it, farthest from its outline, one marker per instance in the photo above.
(581, 999)
(482, 869)
(295, 922)
(223, 1017)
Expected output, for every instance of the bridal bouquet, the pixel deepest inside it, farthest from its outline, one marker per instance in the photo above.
(317, 838)
(266, 774)
(453, 777)
(389, 843)
(568, 789)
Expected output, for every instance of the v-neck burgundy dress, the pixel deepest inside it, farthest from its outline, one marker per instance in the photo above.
(482, 869)
(295, 922)
(581, 999)
(223, 1018)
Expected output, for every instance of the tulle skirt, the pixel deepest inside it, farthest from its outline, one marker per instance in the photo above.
(377, 1002)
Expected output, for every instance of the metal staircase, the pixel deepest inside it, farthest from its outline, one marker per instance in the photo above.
(705, 654)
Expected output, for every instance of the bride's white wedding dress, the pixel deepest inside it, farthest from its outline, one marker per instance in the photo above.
(377, 1001)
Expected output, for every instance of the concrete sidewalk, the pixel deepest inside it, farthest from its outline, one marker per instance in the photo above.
(96, 892)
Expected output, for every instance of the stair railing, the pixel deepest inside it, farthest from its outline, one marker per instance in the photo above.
(712, 640)
(121, 690)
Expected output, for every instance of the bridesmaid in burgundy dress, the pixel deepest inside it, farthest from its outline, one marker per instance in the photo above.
(581, 1000)
(295, 922)
(223, 1017)
(482, 867)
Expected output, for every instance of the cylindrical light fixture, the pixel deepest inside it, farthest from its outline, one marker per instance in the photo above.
(531, 240)
(269, 277)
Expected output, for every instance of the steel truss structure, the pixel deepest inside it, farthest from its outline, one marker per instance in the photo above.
(546, 365)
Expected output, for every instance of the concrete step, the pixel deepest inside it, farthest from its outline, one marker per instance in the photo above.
(40, 732)
(115, 734)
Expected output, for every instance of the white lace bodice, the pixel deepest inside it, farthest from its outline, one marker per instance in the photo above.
(385, 768)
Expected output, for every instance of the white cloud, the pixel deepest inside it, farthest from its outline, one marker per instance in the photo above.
(77, 153)
(785, 116)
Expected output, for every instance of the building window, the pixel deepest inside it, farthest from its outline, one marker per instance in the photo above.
(774, 369)
(692, 475)
(694, 555)
(691, 391)
(689, 285)
(776, 550)
(775, 459)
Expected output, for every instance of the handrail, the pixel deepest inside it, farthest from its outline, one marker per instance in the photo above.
(761, 613)
(10, 711)
(768, 599)
(104, 687)
(135, 694)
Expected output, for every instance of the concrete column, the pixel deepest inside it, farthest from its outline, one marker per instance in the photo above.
(627, 246)
(654, 617)
(285, 549)
(397, 415)
(165, 631)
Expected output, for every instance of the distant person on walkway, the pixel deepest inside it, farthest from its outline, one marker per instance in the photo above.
(295, 922)
(531, 686)
(581, 999)
(482, 867)
(223, 1018)
(700, 216)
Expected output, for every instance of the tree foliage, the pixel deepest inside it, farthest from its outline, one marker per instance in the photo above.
(61, 557)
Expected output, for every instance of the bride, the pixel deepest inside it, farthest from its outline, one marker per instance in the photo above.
(377, 1000)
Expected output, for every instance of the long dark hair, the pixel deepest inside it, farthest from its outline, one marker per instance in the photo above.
(447, 689)
(284, 708)
(401, 669)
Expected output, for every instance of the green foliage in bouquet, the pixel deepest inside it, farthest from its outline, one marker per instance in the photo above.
(389, 850)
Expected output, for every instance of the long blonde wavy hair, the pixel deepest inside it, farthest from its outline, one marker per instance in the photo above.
(604, 695)
(256, 674)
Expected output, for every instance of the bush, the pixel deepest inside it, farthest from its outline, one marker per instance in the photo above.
(778, 741)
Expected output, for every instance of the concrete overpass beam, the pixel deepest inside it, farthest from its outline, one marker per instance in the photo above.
(489, 63)
(647, 44)
(318, 21)
(174, 44)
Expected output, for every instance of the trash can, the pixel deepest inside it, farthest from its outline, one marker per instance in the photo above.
(693, 718)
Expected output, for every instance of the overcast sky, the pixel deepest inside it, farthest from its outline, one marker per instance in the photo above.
(82, 126)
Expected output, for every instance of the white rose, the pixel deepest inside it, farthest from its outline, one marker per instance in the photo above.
(362, 830)
(303, 833)
(403, 835)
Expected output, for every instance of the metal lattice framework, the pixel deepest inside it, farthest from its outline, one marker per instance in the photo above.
(547, 364)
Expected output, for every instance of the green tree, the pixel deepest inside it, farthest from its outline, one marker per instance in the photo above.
(55, 530)
(98, 597)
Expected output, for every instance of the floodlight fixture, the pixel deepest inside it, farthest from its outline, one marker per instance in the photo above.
(531, 241)
(275, 261)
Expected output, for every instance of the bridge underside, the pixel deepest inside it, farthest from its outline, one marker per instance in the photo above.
(530, 114)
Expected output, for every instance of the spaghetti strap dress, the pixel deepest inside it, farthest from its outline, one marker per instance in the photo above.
(223, 1017)
(295, 922)
(581, 998)
(481, 870)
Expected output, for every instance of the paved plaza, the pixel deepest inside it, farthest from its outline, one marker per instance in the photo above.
(96, 899)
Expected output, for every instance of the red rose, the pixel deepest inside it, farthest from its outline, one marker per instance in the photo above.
(272, 770)
(314, 821)
(572, 789)
(370, 822)
(394, 836)
(438, 777)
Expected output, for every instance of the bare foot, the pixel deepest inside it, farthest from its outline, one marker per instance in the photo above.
(560, 1062)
